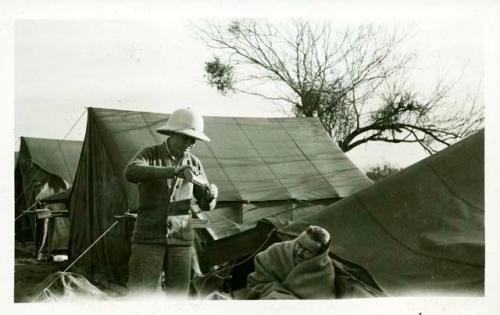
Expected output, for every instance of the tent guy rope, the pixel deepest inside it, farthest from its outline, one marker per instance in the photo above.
(78, 258)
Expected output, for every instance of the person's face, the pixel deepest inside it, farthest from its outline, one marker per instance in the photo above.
(305, 248)
(180, 144)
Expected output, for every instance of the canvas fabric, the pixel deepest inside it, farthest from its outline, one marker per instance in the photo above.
(67, 287)
(420, 231)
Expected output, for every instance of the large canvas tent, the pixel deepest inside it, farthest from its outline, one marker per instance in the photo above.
(262, 166)
(43, 167)
(420, 231)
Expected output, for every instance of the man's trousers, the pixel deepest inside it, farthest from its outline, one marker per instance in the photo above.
(147, 261)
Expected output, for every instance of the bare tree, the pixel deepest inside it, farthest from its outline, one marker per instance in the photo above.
(352, 79)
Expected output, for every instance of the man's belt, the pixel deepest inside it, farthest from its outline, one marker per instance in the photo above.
(181, 207)
(195, 223)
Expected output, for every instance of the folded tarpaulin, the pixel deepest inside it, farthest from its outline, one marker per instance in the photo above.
(67, 287)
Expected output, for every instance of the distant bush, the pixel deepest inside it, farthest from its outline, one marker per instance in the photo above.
(378, 172)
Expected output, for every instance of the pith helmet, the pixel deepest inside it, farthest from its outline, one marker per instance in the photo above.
(185, 121)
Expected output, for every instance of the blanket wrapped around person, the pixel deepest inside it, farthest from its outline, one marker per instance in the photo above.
(276, 275)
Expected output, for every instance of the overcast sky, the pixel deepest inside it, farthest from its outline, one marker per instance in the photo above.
(63, 66)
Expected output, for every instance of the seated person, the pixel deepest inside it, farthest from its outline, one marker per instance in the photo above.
(296, 269)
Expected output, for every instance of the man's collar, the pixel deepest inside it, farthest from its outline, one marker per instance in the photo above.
(173, 157)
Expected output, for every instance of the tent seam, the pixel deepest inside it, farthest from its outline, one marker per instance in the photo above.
(148, 127)
(260, 156)
(312, 164)
(366, 208)
(450, 189)
(224, 171)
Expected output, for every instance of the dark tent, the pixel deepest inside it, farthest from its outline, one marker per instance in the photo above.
(281, 167)
(62, 196)
(43, 167)
(420, 231)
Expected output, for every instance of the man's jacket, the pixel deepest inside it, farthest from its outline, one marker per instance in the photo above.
(164, 200)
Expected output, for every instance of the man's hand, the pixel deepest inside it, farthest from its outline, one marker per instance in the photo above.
(180, 171)
(211, 192)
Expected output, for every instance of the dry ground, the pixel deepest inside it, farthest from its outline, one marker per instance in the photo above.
(28, 272)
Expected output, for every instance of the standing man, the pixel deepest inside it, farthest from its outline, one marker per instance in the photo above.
(170, 180)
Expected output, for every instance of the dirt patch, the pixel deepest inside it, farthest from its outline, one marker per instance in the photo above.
(29, 273)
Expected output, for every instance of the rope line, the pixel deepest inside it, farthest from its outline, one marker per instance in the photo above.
(92, 245)
(76, 260)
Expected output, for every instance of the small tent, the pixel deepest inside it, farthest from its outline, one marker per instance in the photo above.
(417, 232)
(43, 167)
(281, 167)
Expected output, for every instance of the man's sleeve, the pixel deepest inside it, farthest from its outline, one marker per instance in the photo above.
(200, 195)
(139, 169)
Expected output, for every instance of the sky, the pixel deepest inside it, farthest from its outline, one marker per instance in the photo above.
(63, 66)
